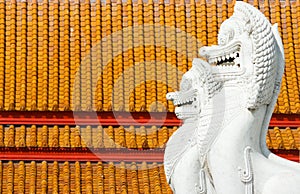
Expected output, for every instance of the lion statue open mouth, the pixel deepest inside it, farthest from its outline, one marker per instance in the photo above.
(226, 103)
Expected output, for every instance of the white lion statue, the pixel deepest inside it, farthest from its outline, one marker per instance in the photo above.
(226, 105)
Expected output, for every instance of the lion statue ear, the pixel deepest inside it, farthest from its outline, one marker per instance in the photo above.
(261, 83)
(279, 61)
(279, 44)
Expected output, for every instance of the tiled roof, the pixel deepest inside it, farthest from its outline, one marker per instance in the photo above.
(82, 177)
(93, 55)
(122, 56)
(133, 137)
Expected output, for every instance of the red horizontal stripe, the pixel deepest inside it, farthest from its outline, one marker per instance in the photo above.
(81, 154)
(115, 118)
(104, 154)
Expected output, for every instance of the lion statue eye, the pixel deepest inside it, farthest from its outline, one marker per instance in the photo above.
(185, 84)
(222, 40)
(225, 36)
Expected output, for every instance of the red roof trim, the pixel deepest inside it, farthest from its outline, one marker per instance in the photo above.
(88, 118)
(293, 155)
(115, 118)
(104, 154)
(285, 120)
(81, 154)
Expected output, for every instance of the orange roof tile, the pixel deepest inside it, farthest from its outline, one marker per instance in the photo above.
(82, 55)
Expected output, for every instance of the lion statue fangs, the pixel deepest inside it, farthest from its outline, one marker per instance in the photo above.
(226, 105)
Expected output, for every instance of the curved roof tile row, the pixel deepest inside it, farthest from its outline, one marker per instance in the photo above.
(82, 177)
(142, 137)
(86, 136)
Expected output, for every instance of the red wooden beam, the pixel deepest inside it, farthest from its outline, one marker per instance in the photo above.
(104, 154)
(88, 118)
(285, 120)
(78, 154)
(293, 155)
(115, 118)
